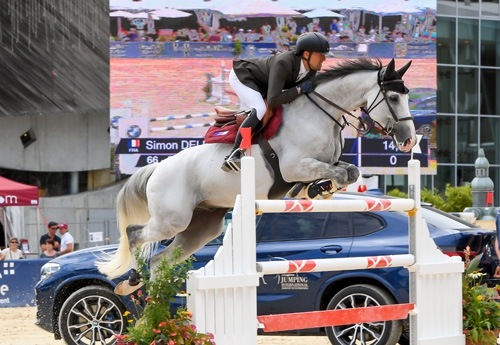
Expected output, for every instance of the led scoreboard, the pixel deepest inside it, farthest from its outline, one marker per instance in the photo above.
(381, 152)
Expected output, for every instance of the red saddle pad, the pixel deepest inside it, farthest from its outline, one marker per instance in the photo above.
(227, 134)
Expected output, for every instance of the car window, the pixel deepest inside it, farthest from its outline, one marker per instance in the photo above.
(443, 220)
(338, 225)
(367, 223)
(291, 226)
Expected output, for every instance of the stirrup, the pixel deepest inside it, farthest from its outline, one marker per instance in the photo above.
(233, 161)
(295, 190)
(322, 189)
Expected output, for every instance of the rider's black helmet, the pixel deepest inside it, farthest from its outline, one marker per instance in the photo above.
(312, 42)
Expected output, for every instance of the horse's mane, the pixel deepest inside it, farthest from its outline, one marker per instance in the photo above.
(347, 67)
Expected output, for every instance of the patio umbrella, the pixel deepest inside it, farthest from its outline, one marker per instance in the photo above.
(142, 15)
(322, 12)
(119, 14)
(382, 8)
(258, 8)
(170, 13)
(137, 5)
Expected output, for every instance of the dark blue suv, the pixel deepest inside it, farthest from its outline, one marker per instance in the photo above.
(77, 303)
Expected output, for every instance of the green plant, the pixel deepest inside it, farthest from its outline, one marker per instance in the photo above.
(156, 326)
(456, 199)
(480, 306)
(238, 48)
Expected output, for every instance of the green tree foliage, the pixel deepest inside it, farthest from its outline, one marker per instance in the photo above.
(455, 199)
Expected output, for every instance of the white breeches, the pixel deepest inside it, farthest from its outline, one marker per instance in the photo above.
(249, 98)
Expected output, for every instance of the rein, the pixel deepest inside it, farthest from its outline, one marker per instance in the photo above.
(365, 126)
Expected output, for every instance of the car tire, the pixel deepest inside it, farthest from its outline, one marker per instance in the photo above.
(369, 333)
(92, 315)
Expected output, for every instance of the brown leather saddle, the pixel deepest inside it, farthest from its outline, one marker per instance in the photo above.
(225, 116)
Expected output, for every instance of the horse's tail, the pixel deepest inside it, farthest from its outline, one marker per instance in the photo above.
(131, 208)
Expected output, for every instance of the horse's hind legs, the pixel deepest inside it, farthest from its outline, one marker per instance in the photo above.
(134, 235)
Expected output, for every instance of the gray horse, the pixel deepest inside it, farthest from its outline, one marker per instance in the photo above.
(188, 195)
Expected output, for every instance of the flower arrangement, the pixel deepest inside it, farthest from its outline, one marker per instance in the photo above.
(152, 322)
(481, 309)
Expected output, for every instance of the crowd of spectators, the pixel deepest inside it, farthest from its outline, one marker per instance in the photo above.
(337, 31)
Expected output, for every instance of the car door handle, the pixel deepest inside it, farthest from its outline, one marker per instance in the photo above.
(333, 249)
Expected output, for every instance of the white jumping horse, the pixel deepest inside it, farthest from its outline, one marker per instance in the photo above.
(188, 195)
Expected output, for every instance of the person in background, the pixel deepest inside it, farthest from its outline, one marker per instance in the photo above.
(13, 252)
(49, 253)
(51, 235)
(67, 241)
(497, 245)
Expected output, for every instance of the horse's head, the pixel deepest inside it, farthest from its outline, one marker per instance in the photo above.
(388, 106)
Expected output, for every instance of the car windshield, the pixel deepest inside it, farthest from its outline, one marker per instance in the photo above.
(442, 220)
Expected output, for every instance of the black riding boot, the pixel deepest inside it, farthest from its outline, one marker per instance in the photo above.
(233, 160)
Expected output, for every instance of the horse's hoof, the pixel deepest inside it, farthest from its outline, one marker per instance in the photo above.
(124, 288)
(133, 278)
(321, 189)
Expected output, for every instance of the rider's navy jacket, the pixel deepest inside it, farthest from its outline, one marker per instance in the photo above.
(274, 77)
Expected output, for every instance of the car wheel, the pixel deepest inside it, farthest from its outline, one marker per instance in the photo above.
(92, 315)
(369, 333)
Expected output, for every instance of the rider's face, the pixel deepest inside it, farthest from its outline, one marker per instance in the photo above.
(316, 60)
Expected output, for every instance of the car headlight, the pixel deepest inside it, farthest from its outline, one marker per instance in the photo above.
(48, 269)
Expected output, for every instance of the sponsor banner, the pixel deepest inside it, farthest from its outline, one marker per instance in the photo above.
(186, 49)
(17, 281)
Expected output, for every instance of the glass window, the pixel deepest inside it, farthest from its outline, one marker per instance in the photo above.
(293, 226)
(446, 7)
(446, 40)
(446, 79)
(467, 90)
(468, 40)
(445, 151)
(366, 223)
(490, 8)
(467, 139)
(490, 42)
(338, 225)
(465, 174)
(490, 88)
(489, 138)
(445, 175)
(468, 8)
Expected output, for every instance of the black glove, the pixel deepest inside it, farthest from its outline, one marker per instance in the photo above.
(305, 87)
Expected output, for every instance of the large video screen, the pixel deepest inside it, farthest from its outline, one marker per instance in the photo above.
(54, 58)
(168, 73)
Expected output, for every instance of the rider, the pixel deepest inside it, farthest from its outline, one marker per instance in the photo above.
(280, 78)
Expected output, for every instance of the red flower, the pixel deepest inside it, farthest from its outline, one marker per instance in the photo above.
(157, 331)
(162, 324)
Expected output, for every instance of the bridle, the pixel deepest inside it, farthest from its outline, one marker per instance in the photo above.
(384, 86)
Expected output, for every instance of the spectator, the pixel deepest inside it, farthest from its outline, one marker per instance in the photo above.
(51, 235)
(334, 26)
(49, 253)
(67, 241)
(13, 252)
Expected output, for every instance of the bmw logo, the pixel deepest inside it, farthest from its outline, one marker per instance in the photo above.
(114, 122)
(134, 131)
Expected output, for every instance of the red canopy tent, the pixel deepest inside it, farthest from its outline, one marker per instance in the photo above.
(17, 194)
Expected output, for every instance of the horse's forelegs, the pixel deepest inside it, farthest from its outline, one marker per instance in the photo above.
(310, 169)
(326, 178)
